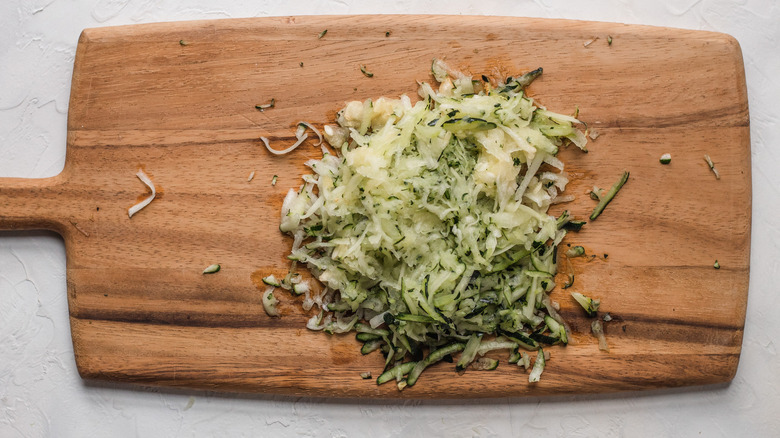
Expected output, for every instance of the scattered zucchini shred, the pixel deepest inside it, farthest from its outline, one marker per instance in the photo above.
(271, 281)
(365, 72)
(427, 224)
(590, 305)
(575, 251)
(590, 41)
(536, 371)
(666, 158)
(514, 356)
(598, 331)
(607, 198)
(485, 364)
(525, 361)
(270, 302)
(265, 106)
(212, 269)
(711, 166)
(146, 201)
(568, 223)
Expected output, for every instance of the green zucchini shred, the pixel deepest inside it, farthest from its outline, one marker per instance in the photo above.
(365, 337)
(469, 352)
(365, 72)
(536, 371)
(525, 361)
(271, 281)
(270, 302)
(607, 198)
(588, 304)
(433, 357)
(485, 364)
(371, 346)
(575, 251)
(574, 225)
(212, 269)
(399, 370)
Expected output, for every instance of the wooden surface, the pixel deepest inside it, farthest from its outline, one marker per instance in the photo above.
(141, 311)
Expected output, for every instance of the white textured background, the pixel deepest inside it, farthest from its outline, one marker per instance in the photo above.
(42, 395)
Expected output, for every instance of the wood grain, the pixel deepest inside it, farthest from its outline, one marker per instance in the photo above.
(141, 311)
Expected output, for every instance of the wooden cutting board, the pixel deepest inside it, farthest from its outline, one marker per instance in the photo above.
(178, 100)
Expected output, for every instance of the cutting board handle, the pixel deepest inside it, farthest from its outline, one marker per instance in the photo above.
(33, 203)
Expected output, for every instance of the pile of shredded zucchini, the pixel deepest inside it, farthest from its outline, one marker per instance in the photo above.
(429, 228)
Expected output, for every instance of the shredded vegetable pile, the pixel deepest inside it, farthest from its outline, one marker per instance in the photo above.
(428, 227)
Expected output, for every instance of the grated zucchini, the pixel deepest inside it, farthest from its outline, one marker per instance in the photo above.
(431, 220)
